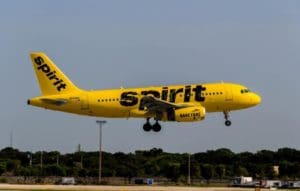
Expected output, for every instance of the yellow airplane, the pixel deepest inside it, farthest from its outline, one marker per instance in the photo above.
(181, 103)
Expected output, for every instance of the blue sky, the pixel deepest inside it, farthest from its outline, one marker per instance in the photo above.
(108, 44)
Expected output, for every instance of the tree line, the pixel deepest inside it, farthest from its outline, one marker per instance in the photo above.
(218, 164)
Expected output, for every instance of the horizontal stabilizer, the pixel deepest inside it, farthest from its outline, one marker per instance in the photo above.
(57, 102)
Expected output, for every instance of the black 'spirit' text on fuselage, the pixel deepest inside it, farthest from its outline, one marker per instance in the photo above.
(131, 98)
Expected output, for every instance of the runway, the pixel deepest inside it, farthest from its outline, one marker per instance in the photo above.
(17, 187)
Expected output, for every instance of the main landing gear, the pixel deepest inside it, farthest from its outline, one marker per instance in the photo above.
(155, 127)
(226, 116)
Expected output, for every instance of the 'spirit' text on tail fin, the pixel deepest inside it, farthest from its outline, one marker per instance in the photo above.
(51, 79)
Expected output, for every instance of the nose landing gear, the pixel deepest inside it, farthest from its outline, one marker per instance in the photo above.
(226, 116)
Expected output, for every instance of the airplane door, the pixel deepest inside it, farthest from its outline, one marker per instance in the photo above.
(228, 92)
(85, 102)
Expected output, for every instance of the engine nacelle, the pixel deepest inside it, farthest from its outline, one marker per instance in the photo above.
(188, 114)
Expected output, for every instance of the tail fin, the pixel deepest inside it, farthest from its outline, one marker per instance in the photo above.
(51, 79)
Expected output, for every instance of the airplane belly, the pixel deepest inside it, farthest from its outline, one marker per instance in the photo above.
(213, 106)
(138, 113)
(109, 111)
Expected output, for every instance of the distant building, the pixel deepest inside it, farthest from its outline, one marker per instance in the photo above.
(271, 183)
(275, 170)
(68, 181)
(291, 184)
(243, 181)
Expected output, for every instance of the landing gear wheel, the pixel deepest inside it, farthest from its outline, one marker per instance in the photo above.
(226, 116)
(156, 127)
(147, 127)
(227, 123)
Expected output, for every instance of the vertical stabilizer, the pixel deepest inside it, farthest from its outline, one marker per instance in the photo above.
(51, 79)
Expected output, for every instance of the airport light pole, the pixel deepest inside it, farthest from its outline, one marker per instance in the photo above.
(100, 122)
(189, 170)
(41, 162)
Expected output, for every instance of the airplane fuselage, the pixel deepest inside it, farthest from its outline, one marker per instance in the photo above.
(118, 103)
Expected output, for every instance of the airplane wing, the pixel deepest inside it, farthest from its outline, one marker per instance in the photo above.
(154, 105)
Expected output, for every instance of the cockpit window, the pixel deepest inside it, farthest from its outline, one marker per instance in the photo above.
(243, 91)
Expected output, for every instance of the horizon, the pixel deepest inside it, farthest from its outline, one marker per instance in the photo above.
(133, 152)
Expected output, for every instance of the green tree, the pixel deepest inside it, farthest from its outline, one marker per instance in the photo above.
(195, 169)
(241, 171)
(220, 171)
(264, 156)
(285, 169)
(35, 171)
(151, 168)
(12, 165)
(83, 173)
(22, 171)
(172, 171)
(54, 170)
(2, 167)
(207, 171)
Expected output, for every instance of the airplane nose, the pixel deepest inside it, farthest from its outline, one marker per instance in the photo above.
(256, 99)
